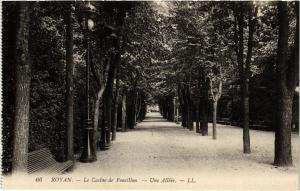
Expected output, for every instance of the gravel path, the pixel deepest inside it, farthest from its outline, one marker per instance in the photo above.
(162, 155)
(157, 148)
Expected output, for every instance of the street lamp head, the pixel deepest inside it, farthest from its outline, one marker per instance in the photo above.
(87, 8)
(86, 12)
(90, 7)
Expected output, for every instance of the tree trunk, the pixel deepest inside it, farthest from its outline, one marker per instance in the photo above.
(108, 99)
(204, 121)
(129, 111)
(283, 152)
(204, 108)
(174, 109)
(187, 112)
(143, 107)
(240, 58)
(183, 116)
(190, 106)
(191, 120)
(69, 83)
(104, 130)
(182, 104)
(124, 112)
(177, 115)
(130, 108)
(232, 92)
(97, 101)
(246, 117)
(108, 111)
(134, 107)
(116, 99)
(245, 70)
(287, 78)
(115, 111)
(215, 107)
(246, 133)
(138, 108)
(96, 114)
(22, 99)
(197, 118)
(197, 104)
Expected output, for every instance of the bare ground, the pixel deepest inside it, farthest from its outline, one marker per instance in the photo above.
(159, 149)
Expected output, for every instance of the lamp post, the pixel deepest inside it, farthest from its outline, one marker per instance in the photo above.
(85, 13)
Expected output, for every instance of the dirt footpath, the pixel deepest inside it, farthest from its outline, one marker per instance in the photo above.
(159, 149)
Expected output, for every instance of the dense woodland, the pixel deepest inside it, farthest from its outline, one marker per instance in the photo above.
(227, 62)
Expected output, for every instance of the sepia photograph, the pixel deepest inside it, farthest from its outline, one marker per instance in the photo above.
(150, 95)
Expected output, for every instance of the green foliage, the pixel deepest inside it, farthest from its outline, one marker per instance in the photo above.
(47, 82)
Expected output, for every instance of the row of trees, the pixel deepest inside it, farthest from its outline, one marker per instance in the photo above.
(45, 97)
(219, 47)
(189, 54)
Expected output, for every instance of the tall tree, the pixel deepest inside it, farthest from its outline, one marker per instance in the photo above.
(204, 104)
(216, 95)
(115, 104)
(69, 82)
(22, 100)
(244, 67)
(218, 53)
(124, 111)
(287, 79)
(101, 80)
(108, 97)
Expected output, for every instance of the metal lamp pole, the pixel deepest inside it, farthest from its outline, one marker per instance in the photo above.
(88, 153)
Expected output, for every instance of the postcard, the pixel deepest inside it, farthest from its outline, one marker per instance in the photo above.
(150, 95)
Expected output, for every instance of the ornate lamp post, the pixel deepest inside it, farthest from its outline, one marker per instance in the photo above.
(86, 12)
